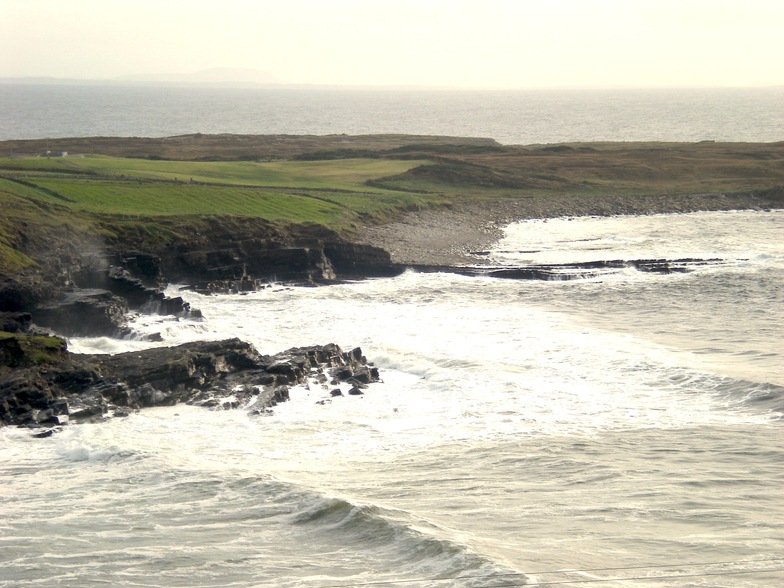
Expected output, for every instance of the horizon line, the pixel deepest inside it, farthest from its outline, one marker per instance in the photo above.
(239, 84)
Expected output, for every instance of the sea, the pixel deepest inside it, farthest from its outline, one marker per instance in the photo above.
(518, 117)
(610, 427)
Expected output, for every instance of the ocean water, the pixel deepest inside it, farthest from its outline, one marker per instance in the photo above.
(621, 429)
(511, 117)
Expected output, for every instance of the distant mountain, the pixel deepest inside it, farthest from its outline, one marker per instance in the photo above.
(216, 78)
(219, 76)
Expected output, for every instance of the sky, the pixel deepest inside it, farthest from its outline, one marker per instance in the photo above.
(443, 43)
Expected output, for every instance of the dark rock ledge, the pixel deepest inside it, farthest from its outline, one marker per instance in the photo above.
(96, 304)
(571, 271)
(85, 284)
(52, 390)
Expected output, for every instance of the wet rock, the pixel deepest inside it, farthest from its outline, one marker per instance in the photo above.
(144, 265)
(98, 302)
(342, 373)
(362, 375)
(87, 406)
(91, 312)
(573, 271)
(15, 322)
(237, 264)
(216, 374)
(353, 260)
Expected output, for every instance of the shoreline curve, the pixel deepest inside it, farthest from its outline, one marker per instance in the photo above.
(452, 236)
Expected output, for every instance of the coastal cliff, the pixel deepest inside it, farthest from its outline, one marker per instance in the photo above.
(84, 284)
(86, 240)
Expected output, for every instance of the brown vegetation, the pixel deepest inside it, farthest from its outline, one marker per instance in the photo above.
(223, 147)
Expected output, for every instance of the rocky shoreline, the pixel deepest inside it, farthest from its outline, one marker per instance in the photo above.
(455, 236)
(77, 388)
(43, 385)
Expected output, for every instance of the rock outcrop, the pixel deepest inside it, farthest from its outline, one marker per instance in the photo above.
(81, 285)
(243, 254)
(216, 374)
(85, 312)
(572, 271)
(99, 305)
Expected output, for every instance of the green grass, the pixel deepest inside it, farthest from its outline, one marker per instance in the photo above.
(17, 350)
(337, 194)
(103, 198)
(40, 340)
(29, 217)
(24, 190)
(132, 198)
(11, 260)
(345, 174)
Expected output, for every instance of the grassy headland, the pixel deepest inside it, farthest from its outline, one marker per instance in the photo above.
(87, 236)
(157, 190)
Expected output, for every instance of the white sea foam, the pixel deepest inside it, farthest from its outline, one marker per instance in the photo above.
(624, 420)
(628, 420)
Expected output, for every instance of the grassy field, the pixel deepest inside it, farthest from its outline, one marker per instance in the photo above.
(346, 174)
(26, 223)
(92, 198)
(333, 193)
(82, 195)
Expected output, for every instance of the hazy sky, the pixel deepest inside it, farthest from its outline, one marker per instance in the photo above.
(464, 43)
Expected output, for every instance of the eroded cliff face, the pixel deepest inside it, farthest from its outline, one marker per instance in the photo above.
(226, 249)
(84, 282)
